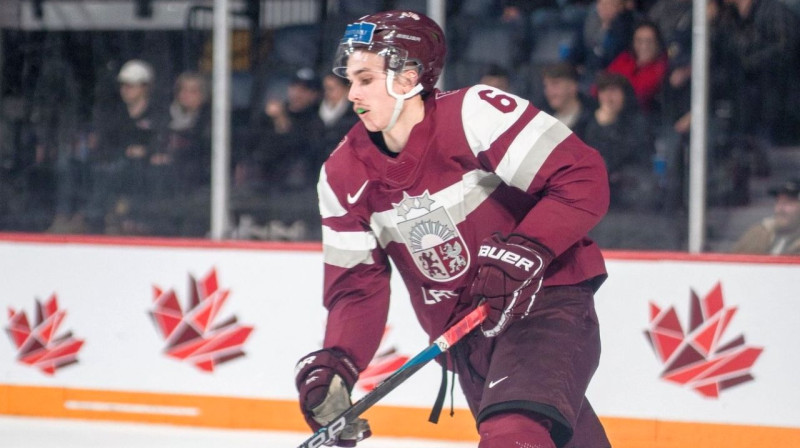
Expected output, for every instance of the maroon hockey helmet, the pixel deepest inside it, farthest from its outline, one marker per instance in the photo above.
(403, 38)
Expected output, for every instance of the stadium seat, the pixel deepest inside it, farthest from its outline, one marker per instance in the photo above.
(553, 33)
(486, 43)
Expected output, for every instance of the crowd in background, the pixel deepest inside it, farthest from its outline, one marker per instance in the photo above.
(144, 167)
(617, 72)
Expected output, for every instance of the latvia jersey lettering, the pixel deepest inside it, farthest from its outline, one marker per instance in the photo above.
(481, 161)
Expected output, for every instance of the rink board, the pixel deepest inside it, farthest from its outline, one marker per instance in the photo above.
(105, 291)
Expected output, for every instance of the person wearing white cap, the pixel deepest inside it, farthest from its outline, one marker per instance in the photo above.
(135, 78)
(135, 71)
(126, 136)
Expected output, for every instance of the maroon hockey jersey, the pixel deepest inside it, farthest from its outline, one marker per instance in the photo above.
(481, 161)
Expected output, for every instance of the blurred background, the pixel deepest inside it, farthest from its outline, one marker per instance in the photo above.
(106, 109)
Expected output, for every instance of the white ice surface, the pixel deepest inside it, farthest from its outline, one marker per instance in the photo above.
(19, 432)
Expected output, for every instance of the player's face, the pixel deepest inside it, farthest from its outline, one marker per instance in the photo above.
(368, 93)
(787, 214)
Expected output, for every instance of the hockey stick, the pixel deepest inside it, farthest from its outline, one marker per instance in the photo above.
(328, 434)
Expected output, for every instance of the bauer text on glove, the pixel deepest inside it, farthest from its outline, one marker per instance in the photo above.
(510, 272)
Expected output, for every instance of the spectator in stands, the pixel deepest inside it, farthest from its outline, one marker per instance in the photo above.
(184, 153)
(497, 76)
(673, 18)
(336, 112)
(757, 46)
(622, 135)
(275, 184)
(564, 99)
(778, 234)
(606, 32)
(644, 64)
(289, 139)
(180, 166)
(126, 136)
(56, 124)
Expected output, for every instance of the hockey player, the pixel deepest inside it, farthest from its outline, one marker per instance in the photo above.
(475, 195)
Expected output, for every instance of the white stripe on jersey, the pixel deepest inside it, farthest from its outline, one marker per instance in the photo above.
(347, 249)
(530, 149)
(343, 249)
(459, 199)
(483, 122)
(329, 205)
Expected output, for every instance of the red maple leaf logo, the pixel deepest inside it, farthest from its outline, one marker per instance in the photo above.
(40, 346)
(192, 336)
(698, 358)
(382, 365)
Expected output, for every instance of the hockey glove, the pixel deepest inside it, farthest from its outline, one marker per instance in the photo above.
(510, 272)
(325, 379)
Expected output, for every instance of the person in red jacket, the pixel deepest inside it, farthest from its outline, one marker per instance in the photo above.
(644, 64)
(472, 195)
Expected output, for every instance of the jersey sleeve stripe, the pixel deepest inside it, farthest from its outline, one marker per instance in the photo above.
(530, 149)
(347, 249)
(329, 205)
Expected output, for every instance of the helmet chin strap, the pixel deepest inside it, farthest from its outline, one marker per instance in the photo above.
(399, 99)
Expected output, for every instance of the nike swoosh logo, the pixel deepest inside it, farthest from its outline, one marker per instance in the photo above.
(495, 383)
(352, 199)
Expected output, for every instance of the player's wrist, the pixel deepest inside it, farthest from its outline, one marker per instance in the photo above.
(533, 245)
